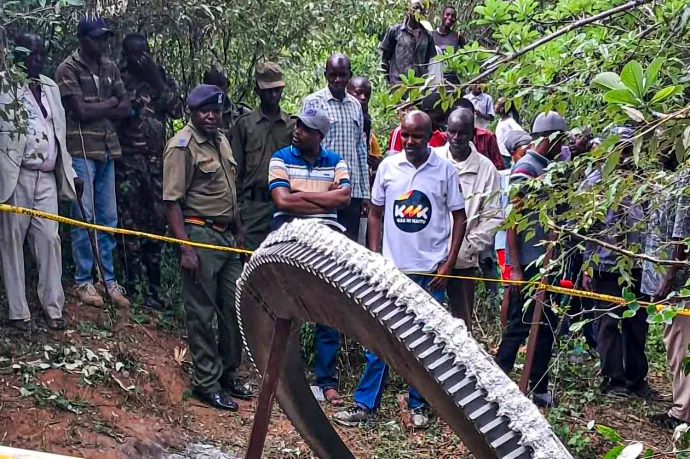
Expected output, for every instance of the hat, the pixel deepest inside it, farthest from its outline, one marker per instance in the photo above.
(93, 27)
(516, 139)
(205, 94)
(315, 118)
(549, 122)
(269, 75)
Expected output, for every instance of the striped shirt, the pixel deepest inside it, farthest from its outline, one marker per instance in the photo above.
(346, 135)
(289, 169)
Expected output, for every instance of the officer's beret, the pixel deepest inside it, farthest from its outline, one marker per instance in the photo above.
(205, 94)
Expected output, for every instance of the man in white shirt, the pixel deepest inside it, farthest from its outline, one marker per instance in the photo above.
(34, 168)
(483, 106)
(481, 187)
(506, 124)
(419, 192)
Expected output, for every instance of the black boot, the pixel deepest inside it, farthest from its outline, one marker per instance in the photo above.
(153, 273)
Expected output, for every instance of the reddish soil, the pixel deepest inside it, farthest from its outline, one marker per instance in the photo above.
(115, 423)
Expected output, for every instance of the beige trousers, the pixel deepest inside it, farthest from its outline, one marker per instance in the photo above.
(35, 190)
(676, 339)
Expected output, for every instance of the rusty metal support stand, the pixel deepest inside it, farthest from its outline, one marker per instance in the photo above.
(269, 384)
(534, 329)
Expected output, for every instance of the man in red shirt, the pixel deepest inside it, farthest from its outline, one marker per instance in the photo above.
(431, 105)
(484, 140)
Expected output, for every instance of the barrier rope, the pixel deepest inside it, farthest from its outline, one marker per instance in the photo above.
(550, 288)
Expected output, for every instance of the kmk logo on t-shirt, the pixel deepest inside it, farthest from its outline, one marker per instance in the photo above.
(412, 211)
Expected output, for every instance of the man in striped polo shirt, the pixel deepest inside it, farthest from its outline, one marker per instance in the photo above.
(305, 179)
(550, 134)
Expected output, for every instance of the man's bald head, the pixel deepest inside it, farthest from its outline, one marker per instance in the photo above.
(461, 117)
(460, 132)
(416, 132)
(338, 74)
(419, 119)
(339, 60)
(35, 58)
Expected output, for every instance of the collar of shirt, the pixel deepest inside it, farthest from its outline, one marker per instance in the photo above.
(541, 159)
(199, 136)
(259, 115)
(298, 154)
(431, 161)
(469, 166)
(330, 96)
(77, 57)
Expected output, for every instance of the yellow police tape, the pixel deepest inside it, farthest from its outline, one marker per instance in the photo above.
(172, 240)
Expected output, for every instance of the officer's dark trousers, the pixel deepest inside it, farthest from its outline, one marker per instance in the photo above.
(212, 297)
(621, 342)
(517, 331)
(349, 218)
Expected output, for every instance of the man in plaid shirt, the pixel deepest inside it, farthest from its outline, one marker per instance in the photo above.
(346, 137)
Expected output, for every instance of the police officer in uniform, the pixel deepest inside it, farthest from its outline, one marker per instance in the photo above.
(199, 195)
(255, 137)
(139, 173)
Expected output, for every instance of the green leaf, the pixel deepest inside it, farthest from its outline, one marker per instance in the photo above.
(608, 80)
(664, 94)
(651, 75)
(610, 434)
(611, 163)
(633, 78)
(577, 326)
(621, 97)
(628, 313)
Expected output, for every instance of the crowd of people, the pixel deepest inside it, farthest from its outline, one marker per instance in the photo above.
(432, 204)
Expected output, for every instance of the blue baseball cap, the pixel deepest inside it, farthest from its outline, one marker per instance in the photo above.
(315, 118)
(205, 94)
(93, 27)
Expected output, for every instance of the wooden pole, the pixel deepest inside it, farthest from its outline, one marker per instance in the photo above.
(262, 417)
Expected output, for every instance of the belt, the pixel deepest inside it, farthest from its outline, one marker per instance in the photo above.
(207, 222)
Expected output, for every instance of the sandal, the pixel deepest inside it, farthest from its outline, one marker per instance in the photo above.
(333, 397)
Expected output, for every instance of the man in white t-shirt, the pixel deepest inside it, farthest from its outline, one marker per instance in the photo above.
(420, 192)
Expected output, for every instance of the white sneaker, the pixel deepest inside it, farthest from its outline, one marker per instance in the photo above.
(88, 295)
(420, 417)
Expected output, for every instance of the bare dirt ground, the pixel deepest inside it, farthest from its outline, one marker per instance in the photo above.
(120, 389)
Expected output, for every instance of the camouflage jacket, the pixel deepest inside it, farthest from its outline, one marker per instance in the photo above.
(144, 132)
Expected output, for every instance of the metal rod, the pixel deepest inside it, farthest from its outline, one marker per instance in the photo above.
(269, 385)
(534, 329)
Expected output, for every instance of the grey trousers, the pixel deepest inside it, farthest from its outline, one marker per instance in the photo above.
(676, 339)
(35, 190)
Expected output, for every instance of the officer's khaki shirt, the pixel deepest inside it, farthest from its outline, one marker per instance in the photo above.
(194, 175)
(254, 140)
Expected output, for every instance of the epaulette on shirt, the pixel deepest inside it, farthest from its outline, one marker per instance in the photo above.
(182, 138)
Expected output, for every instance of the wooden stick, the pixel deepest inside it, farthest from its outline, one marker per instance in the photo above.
(262, 417)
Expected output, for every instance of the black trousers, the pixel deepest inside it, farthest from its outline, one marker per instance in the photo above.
(517, 331)
(349, 218)
(621, 342)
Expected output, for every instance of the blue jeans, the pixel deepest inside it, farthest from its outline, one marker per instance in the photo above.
(370, 388)
(99, 194)
(327, 341)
